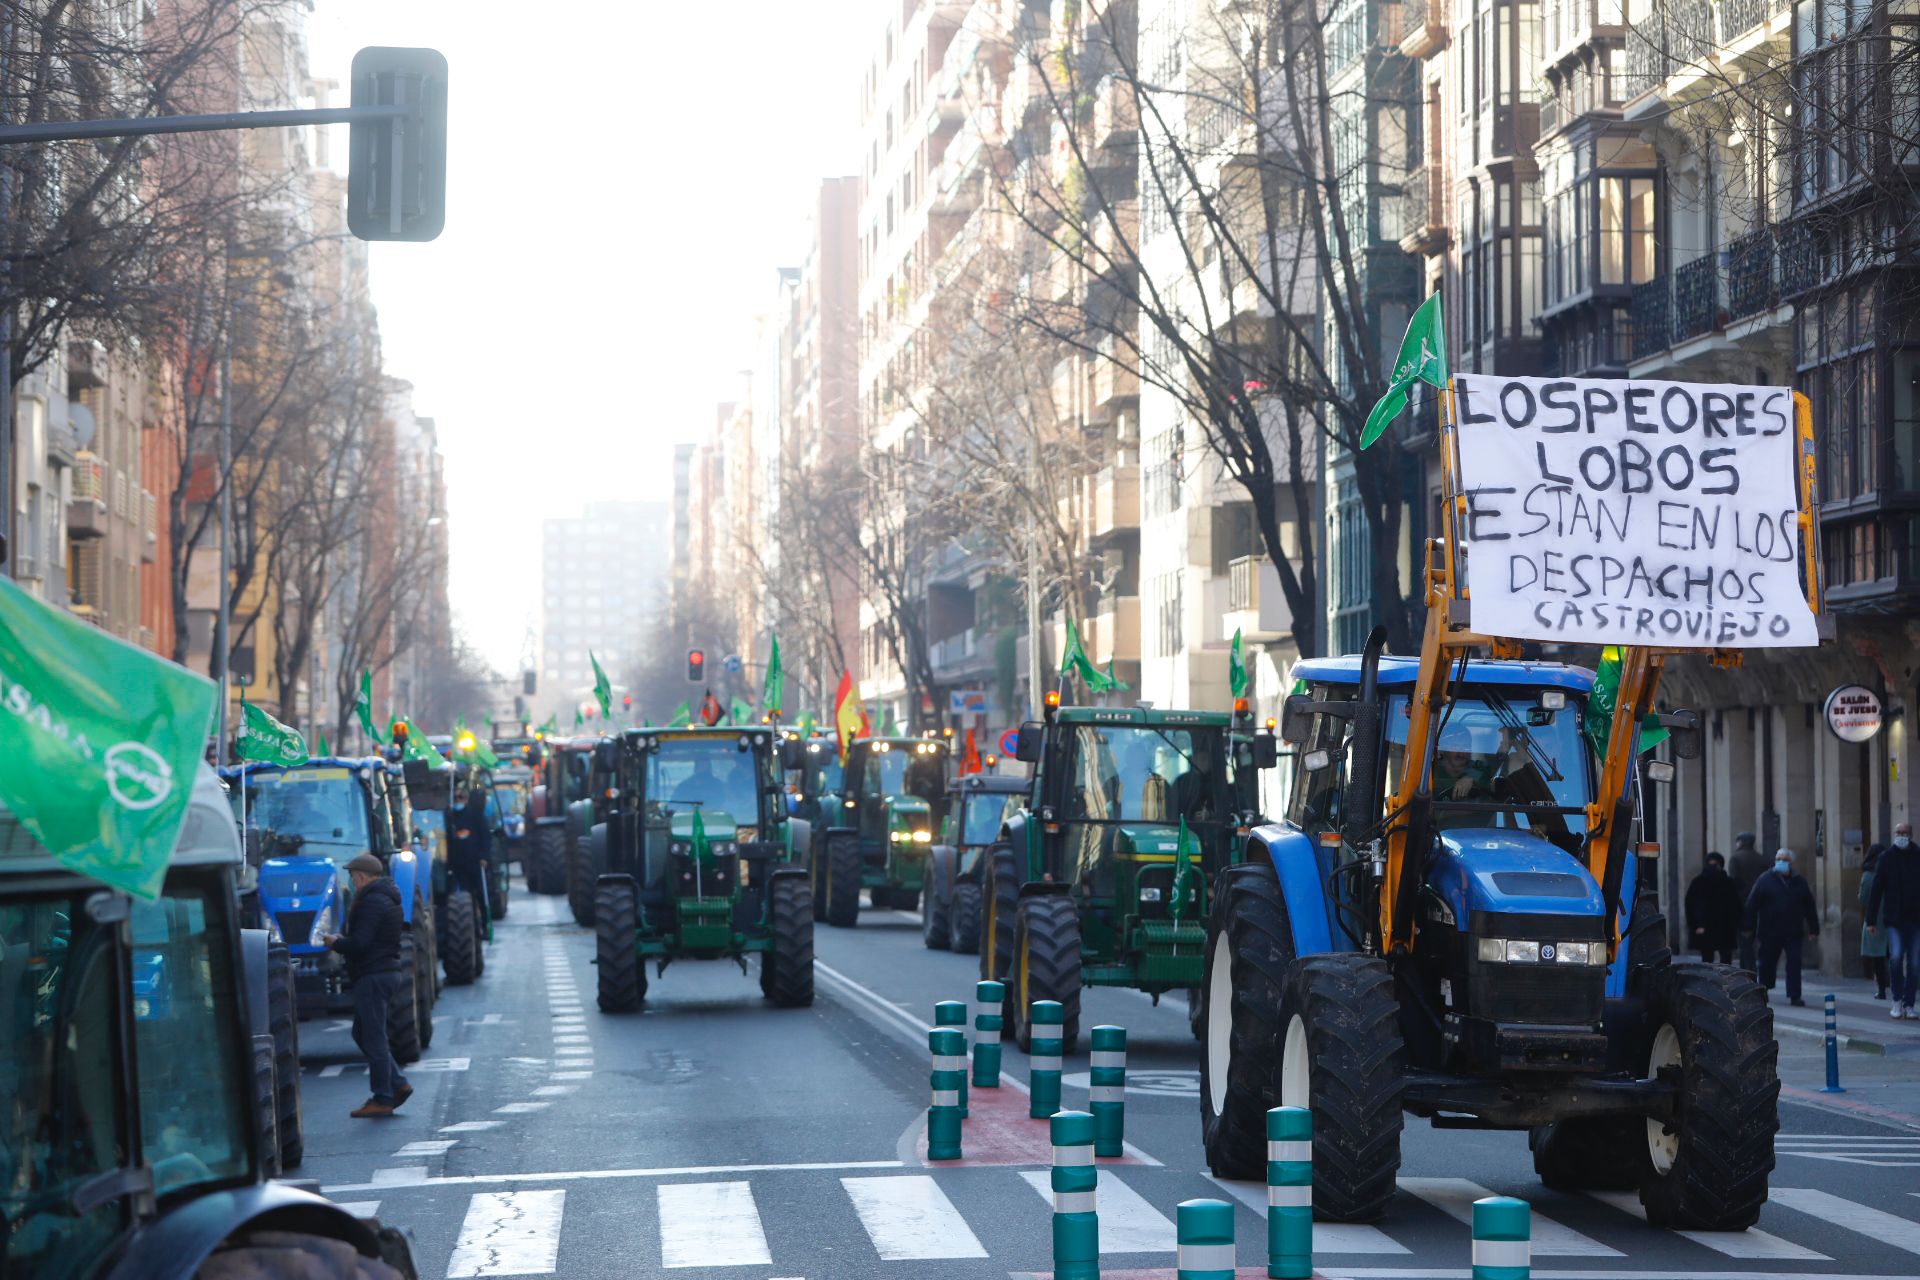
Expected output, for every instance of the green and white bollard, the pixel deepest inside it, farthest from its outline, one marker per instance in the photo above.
(1290, 1193)
(949, 1073)
(1076, 1224)
(1107, 1091)
(953, 1013)
(1047, 1018)
(989, 1000)
(1502, 1239)
(1204, 1232)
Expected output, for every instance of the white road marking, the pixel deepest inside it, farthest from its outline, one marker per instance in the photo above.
(570, 1037)
(553, 1091)
(1128, 1224)
(594, 1175)
(910, 1217)
(405, 1176)
(361, 1208)
(1455, 1196)
(331, 1070)
(1752, 1243)
(471, 1126)
(431, 1147)
(710, 1224)
(509, 1233)
(490, 1020)
(1328, 1237)
(571, 1075)
(520, 1108)
(535, 1062)
(1901, 1233)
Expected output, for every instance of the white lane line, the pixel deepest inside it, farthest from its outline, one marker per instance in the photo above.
(710, 1224)
(520, 1108)
(553, 1091)
(570, 1038)
(1328, 1237)
(593, 1175)
(471, 1126)
(411, 1175)
(432, 1147)
(1752, 1243)
(361, 1208)
(1128, 1224)
(1455, 1196)
(509, 1233)
(571, 1075)
(490, 1020)
(910, 1217)
(1901, 1233)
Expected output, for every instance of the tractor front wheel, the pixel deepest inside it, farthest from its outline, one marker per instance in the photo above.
(497, 886)
(403, 1014)
(1046, 959)
(1591, 1153)
(283, 1020)
(1249, 946)
(425, 987)
(963, 919)
(842, 874)
(616, 927)
(935, 912)
(786, 972)
(548, 874)
(580, 881)
(460, 939)
(1002, 902)
(1707, 1166)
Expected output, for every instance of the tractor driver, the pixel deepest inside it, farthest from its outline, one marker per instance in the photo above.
(1193, 791)
(1467, 760)
(703, 784)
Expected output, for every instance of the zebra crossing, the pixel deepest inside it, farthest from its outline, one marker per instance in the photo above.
(811, 1225)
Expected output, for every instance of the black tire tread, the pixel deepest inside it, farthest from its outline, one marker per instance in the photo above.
(936, 909)
(403, 1015)
(548, 874)
(1047, 933)
(1358, 1076)
(963, 919)
(579, 882)
(842, 874)
(622, 979)
(1248, 907)
(1002, 902)
(460, 943)
(283, 1019)
(787, 970)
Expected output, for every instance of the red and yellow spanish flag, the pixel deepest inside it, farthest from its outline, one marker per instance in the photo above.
(849, 714)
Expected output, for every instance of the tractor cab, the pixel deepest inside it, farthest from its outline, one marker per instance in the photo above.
(893, 799)
(460, 922)
(813, 785)
(981, 808)
(570, 794)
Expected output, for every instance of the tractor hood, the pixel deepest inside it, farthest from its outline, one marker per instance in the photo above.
(907, 806)
(298, 877)
(1146, 837)
(1503, 871)
(719, 825)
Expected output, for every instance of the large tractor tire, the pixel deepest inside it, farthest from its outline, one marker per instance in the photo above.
(403, 1014)
(580, 882)
(817, 875)
(616, 925)
(963, 919)
(266, 1117)
(1001, 899)
(1046, 966)
(1197, 1012)
(1591, 1153)
(283, 1022)
(263, 1254)
(497, 887)
(935, 912)
(1707, 1167)
(1249, 946)
(842, 874)
(460, 938)
(1647, 946)
(548, 870)
(786, 972)
(426, 979)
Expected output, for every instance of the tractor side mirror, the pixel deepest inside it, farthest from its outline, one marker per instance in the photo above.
(1266, 751)
(1031, 741)
(603, 755)
(1296, 718)
(1683, 731)
(793, 754)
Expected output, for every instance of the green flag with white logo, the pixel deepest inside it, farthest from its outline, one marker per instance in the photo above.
(99, 741)
(1186, 876)
(1423, 358)
(266, 740)
(776, 688)
(682, 717)
(1237, 669)
(363, 707)
(1075, 659)
(602, 688)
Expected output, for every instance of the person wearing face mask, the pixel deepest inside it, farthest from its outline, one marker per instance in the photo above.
(1896, 893)
(1780, 916)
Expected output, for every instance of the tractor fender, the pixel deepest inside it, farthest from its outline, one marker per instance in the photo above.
(1302, 885)
(788, 872)
(173, 1246)
(1015, 834)
(404, 867)
(799, 842)
(942, 866)
(537, 804)
(253, 955)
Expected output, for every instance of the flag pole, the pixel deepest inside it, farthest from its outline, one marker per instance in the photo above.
(242, 762)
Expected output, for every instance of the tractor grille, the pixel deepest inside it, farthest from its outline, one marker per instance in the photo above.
(714, 881)
(1156, 877)
(1548, 994)
(296, 926)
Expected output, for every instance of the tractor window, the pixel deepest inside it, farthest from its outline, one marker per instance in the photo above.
(823, 771)
(899, 769)
(711, 774)
(325, 808)
(985, 814)
(509, 796)
(1122, 773)
(62, 1122)
(1316, 795)
(1501, 761)
(399, 811)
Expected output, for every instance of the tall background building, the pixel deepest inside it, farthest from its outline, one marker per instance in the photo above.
(604, 579)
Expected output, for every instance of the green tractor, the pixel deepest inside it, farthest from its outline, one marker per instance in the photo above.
(587, 800)
(893, 798)
(1083, 891)
(979, 807)
(701, 861)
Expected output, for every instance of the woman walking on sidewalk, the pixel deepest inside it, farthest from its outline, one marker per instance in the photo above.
(1873, 943)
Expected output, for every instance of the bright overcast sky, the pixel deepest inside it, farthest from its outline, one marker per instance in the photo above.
(591, 298)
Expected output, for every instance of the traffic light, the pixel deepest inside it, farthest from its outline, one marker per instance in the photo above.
(626, 702)
(397, 166)
(696, 665)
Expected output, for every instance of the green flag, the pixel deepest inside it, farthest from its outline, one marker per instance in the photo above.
(1114, 683)
(807, 722)
(742, 711)
(1075, 660)
(888, 726)
(776, 688)
(578, 719)
(363, 706)
(414, 745)
(1423, 358)
(325, 750)
(1186, 876)
(602, 689)
(551, 725)
(97, 757)
(1597, 723)
(682, 717)
(1237, 679)
(702, 850)
(266, 740)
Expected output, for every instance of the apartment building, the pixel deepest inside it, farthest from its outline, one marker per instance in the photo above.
(603, 583)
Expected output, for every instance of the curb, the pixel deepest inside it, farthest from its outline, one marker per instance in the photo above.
(1844, 1040)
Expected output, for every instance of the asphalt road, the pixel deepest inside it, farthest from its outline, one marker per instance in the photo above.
(713, 1135)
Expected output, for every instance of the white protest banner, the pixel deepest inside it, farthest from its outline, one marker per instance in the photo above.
(1613, 512)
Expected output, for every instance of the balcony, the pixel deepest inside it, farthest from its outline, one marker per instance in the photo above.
(962, 655)
(1113, 634)
(1116, 386)
(956, 186)
(1116, 114)
(87, 508)
(86, 366)
(1650, 305)
(1256, 606)
(1696, 299)
(1026, 91)
(1423, 28)
(1426, 213)
(1117, 235)
(1672, 51)
(1751, 287)
(1114, 505)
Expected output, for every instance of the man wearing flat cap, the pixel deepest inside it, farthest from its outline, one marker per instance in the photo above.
(371, 946)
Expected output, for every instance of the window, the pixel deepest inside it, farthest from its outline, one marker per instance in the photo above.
(1123, 773)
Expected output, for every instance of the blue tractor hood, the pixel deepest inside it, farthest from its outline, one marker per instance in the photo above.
(299, 875)
(1500, 870)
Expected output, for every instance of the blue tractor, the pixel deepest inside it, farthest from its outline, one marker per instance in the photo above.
(1456, 920)
(303, 824)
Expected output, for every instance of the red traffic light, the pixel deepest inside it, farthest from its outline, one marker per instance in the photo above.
(626, 700)
(696, 664)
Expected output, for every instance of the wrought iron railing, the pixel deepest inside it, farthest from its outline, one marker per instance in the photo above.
(1750, 284)
(1649, 306)
(1696, 298)
(1799, 261)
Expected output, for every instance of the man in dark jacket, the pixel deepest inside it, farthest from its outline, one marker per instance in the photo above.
(1713, 912)
(1896, 888)
(371, 946)
(1745, 868)
(1780, 914)
(471, 848)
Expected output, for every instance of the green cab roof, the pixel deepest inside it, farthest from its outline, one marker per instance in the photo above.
(1142, 716)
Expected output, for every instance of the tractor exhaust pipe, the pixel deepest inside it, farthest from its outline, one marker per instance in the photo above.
(1362, 801)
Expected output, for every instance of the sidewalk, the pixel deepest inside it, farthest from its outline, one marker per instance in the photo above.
(1861, 1020)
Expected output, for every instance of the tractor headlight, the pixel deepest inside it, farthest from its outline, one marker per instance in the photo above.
(273, 928)
(1571, 953)
(923, 837)
(898, 837)
(1519, 952)
(322, 925)
(1150, 894)
(679, 846)
(142, 1009)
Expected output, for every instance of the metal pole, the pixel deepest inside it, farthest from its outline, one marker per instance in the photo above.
(223, 619)
(1034, 681)
(86, 130)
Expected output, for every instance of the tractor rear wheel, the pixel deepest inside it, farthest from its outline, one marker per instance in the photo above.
(842, 874)
(1046, 960)
(283, 1020)
(1197, 1013)
(460, 939)
(579, 882)
(963, 919)
(425, 988)
(1707, 1167)
(817, 875)
(786, 972)
(403, 1014)
(1647, 947)
(935, 917)
(1001, 899)
(1591, 1153)
(616, 927)
(548, 874)
(1249, 946)
(497, 888)
(285, 1253)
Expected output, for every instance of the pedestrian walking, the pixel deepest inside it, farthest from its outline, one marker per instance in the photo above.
(1780, 916)
(1896, 892)
(371, 946)
(1713, 912)
(1746, 867)
(1873, 938)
